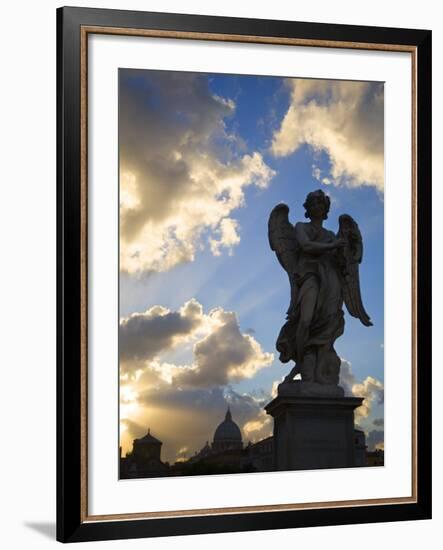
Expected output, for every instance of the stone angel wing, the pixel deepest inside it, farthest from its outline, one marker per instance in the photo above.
(281, 235)
(282, 240)
(350, 257)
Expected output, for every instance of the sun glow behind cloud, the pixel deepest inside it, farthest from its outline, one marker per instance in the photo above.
(181, 181)
(158, 393)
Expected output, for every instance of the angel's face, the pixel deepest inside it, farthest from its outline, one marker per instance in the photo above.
(317, 208)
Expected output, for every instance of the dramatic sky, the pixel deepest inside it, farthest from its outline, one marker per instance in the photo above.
(203, 160)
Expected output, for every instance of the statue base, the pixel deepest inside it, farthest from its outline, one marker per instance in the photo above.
(300, 388)
(312, 432)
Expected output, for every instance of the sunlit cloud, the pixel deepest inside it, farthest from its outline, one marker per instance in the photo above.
(144, 335)
(343, 119)
(371, 389)
(222, 353)
(181, 173)
(258, 428)
(228, 236)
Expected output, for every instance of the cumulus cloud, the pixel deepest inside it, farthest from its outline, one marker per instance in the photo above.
(222, 353)
(228, 236)
(181, 173)
(371, 389)
(144, 335)
(260, 427)
(373, 392)
(343, 119)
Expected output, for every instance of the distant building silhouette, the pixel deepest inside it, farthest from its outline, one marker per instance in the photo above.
(375, 458)
(226, 454)
(226, 449)
(144, 460)
(259, 457)
(227, 435)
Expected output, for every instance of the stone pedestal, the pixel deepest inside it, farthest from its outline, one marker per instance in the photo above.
(312, 432)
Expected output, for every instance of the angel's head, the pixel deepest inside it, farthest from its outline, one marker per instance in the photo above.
(317, 205)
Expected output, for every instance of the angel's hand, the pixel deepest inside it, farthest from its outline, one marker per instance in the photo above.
(339, 243)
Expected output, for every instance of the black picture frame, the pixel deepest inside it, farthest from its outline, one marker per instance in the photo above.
(72, 523)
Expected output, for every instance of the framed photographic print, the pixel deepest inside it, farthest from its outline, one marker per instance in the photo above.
(244, 267)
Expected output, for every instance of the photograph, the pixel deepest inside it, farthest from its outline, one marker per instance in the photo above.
(251, 273)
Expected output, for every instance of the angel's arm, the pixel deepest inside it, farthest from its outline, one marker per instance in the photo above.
(312, 247)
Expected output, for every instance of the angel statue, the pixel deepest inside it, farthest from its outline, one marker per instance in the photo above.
(323, 270)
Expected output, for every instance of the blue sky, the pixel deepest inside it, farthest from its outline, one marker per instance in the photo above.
(194, 129)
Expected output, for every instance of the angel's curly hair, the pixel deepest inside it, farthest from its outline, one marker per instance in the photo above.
(313, 195)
